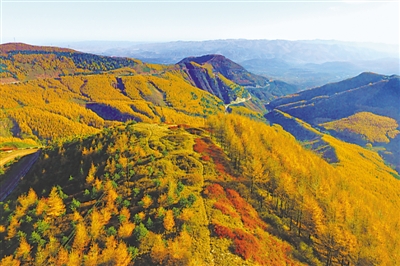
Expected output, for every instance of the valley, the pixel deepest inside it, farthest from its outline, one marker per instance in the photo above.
(198, 162)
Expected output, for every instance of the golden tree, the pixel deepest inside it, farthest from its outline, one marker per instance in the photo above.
(169, 221)
(55, 204)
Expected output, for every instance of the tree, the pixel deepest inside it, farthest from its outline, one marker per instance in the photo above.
(97, 224)
(126, 229)
(169, 221)
(23, 250)
(140, 231)
(122, 256)
(93, 255)
(81, 237)
(90, 177)
(55, 204)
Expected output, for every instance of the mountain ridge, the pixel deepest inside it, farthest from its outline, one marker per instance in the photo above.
(359, 99)
(354, 58)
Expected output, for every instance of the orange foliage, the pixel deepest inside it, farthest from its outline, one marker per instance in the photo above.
(169, 221)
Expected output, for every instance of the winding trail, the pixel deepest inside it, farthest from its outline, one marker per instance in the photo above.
(237, 101)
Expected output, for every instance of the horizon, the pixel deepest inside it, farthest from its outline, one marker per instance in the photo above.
(67, 44)
(173, 21)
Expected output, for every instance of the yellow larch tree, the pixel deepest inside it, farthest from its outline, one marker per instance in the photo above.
(91, 259)
(90, 177)
(97, 224)
(81, 237)
(169, 221)
(55, 204)
(158, 251)
(24, 249)
(62, 256)
(122, 256)
(108, 253)
(10, 261)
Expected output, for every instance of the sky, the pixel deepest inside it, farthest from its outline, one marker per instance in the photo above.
(45, 22)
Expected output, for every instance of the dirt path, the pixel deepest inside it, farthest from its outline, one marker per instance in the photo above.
(8, 185)
(237, 101)
(6, 157)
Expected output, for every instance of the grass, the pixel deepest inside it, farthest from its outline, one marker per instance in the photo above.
(18, 145)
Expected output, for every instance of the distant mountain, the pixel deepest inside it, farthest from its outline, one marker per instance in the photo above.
(25, 62)
(364, 109)
(297, 62)
(240, 50)
(215, 74)
(310, 75)
(366, 92)
(22, 47)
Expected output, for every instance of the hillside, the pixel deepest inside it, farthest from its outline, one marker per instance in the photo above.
(82, 93)
(95, 93)
(21, 62)
(149, 194)
(357, 110)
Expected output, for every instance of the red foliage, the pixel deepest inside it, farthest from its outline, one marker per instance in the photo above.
(184, 126)
(200, 146)
(7, 148)
(248, 248)
(223, 231)
(225, 207)
(209, 150)
(205, 158)
(250, 217)
(215, 191)
(173, 127)
(249, 222)
(263, 249)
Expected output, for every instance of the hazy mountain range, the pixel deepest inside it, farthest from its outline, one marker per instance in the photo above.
(303, 63)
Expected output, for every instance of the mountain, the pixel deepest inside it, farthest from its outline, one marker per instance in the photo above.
(362, 110)
(304, 63)
(215, 74)
(51, 94)
(240, 50)
(133, 163)
(24, 62)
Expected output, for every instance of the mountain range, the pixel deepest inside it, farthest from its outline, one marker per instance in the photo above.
(305, 64)
(199, 162)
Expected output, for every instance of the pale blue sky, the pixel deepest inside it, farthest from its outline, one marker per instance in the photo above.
(44, 22)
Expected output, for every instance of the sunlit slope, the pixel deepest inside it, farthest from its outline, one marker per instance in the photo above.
(361, 110)
(334, 207)
(366, 126)
(21, 62)
(48, 109)
(51, 93)
(138, 193)
(153, 194)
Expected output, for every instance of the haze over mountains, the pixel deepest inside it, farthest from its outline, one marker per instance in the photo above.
(303, 63)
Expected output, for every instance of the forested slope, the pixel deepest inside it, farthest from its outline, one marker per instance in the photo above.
(153, 194)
